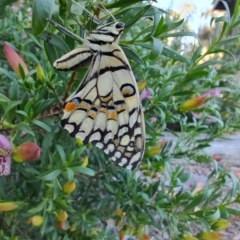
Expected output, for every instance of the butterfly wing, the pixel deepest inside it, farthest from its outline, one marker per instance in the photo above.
(105, 109)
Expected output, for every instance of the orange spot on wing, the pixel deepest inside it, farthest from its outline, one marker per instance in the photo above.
(112, 115)
(70, 106)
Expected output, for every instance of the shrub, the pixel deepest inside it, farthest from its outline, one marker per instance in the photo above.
(183, 96)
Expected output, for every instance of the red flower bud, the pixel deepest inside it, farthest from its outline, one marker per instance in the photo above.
(14, 60)
(61, 225)
(27, 151)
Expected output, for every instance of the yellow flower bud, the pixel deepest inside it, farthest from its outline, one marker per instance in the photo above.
(154, 150)
(84, 161)
(118, 212)
(40, 73)
(187, 237)
(141, 85)
(69, 187)
(72, 228)
(8, 206)
(192, 103)
(37, 220)
(220, 224)
(79, 142)
(209, 236)
(62, 216)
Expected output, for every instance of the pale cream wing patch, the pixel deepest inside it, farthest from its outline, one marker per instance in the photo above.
(105, 110)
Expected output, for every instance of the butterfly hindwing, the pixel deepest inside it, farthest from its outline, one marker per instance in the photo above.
(105, 109)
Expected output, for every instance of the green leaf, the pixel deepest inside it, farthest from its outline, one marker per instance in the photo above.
(11, 105)
(42, 11)
(230, 39)
(6, 2)
(50, 175)
(41, 125)
(4, 99)
(25, 128)
(121, 4)
(53, 39)
(38, 208)
(174, 55)
(157, 48)
(83, 170)
(130, 54)
(61, 153)
(14, 91)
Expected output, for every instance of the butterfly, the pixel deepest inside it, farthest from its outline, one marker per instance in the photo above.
(105, 110)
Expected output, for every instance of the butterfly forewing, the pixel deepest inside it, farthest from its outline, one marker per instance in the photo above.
(105, 109)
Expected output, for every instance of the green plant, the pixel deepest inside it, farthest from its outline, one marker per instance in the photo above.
(31, 108)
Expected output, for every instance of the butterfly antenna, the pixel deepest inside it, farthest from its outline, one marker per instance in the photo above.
(65, 31)
(103, 9)
(89, 13)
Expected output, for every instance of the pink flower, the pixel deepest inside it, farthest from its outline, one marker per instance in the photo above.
(15, 8)
(5, 156)
(14, 60)
(153, 119)
(145, 94)
(213, 92)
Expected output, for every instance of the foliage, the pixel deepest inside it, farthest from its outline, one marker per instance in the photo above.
(136, 201)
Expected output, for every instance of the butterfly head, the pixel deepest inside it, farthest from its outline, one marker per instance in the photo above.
(109, 32)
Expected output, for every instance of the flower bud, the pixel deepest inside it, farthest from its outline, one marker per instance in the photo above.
(14, 60)
(40, 73)
(188, 237)
(37, 220)
(118, 212)
(141, 85)
(154, 150)
(8, 206)
(62, 216)
(84, 161)
(220, 224)
(72, 228)
(5, 156)
(145, 94)
(27, 151)
(192, 104)
(209, 236)
(69, 187)
(60, 225)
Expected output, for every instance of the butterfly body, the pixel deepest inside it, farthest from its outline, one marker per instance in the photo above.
(105, 109)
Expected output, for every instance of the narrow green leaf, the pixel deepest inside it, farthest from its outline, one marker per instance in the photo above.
(42, 11)
(6, 2)
(4, 99)
(41, 125)
(121, 4)
(50, 175)
(83, 170)
(61, 153)
(25, 128)
(131, 54)
(157, 48)
(38, 208)
(11, 105)
(53, 39)
(14, 91)
(174, 55)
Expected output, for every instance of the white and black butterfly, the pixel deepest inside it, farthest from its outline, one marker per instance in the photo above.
(105, 109)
